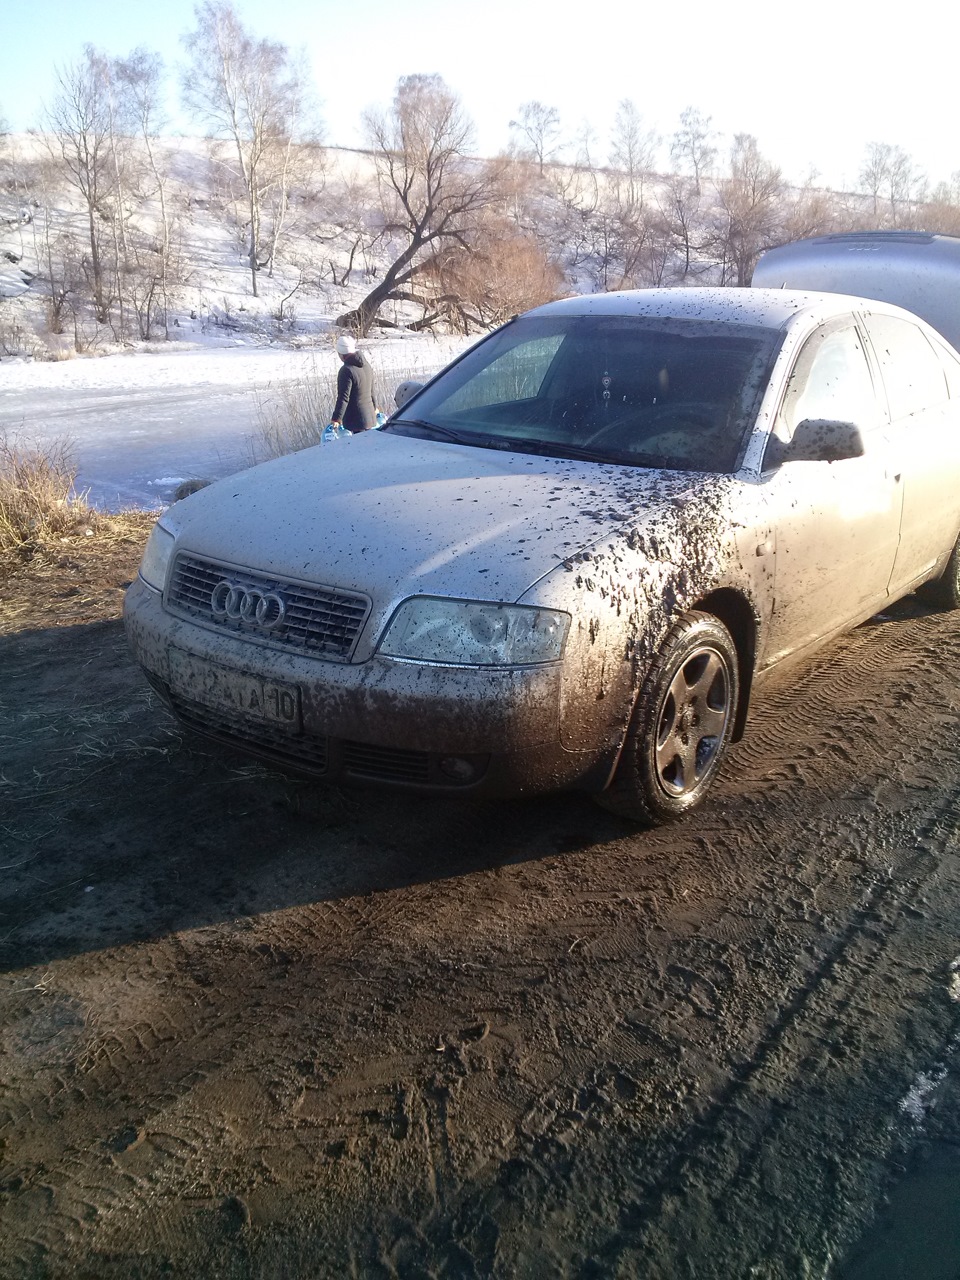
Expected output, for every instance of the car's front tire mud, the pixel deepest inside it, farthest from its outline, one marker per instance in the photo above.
(681, 725)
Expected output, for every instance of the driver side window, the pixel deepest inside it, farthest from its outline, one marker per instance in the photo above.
(831, 379)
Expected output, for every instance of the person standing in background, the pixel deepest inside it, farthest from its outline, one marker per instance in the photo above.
(355, 408)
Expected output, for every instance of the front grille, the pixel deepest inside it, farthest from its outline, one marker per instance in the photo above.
(324, 621)
(305, 751)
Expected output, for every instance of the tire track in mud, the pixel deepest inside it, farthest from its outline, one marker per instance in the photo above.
(590, 1058)
(659, 1078)
(733, 1143)
(208, 1068)
(868, 653)
(860, 945)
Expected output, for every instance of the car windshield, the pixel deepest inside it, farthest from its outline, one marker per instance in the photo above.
(640, 391)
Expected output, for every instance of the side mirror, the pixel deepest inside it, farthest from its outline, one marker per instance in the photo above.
(823, 440)
(406, 391)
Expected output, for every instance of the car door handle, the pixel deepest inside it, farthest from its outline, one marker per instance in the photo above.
(764, 548)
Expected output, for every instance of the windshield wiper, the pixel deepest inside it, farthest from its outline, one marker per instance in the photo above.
(433, 430)
(560, 449)
(507, 444)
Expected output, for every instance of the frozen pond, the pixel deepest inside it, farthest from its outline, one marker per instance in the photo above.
(133, 447)
(139, 424)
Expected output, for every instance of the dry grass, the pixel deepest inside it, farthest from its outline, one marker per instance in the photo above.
(38, 502)
(75, 578)
(293, 416)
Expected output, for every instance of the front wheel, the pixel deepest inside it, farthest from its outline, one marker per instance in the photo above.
(681, 725)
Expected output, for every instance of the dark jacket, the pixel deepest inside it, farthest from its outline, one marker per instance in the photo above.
(355, 407)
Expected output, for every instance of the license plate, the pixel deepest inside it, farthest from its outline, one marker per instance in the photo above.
(224, 689)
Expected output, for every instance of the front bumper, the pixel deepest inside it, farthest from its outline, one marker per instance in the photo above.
(492, 731)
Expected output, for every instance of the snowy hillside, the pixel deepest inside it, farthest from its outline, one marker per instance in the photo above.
(233, 369)
(211, 302)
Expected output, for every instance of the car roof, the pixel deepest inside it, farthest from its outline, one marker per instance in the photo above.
(768, 308)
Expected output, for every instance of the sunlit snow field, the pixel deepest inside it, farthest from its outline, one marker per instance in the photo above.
(140, 423)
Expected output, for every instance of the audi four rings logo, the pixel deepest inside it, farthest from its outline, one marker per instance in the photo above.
(229, 600)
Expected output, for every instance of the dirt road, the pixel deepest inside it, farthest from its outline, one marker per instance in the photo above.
(253, 1028)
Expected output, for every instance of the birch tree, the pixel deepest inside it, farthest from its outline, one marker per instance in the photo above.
(632, 153)
(633, 149)
(139, 81)
(751, 202)
(80, 137)
(692, 148)
(253, 93)
(890, 177)
(538, 127)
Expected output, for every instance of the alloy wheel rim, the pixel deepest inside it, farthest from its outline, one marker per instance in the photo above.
(692, 723)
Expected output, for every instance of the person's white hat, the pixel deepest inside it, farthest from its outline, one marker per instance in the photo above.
(346, 345)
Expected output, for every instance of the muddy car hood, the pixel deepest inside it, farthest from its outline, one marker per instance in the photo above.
(392, 515)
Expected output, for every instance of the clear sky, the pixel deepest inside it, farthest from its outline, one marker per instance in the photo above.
(815, 82)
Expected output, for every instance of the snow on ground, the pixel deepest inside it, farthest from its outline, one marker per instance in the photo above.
(140, 420)
(212, 304)
(241, 364)
(140, 423)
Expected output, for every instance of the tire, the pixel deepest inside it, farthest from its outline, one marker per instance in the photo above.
(945, 590)
(681, 725)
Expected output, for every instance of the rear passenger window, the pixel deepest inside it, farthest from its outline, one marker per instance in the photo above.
(911, 369)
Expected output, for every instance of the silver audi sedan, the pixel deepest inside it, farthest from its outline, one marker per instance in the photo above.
(569, 560)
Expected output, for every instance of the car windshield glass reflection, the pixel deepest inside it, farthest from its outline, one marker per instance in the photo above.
(669, 393)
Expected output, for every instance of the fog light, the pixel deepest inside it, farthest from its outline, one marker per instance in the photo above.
(458, 769)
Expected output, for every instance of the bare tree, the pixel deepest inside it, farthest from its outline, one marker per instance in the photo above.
(9, 195)
(576, 233)
(905, 184)
(750, 200)
(55, 248)
(692, 148)
(251, 92)
(79, 136)
(296, 166)
(942, 213)
(680, 223)
(632, 153)
(504, 272)
(520, 194)
(633, 150)
(890, 178)
(811, 211)
(347, 223)
(431, 193)
(139, 78)
(539, 128)
(875, 172)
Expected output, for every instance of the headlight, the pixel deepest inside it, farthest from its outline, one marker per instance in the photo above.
(156, 557)
(471, 633)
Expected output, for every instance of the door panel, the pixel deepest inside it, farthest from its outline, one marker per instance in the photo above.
(837, 523)
(925, 444)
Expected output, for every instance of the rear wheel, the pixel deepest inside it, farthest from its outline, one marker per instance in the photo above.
(945, 590)
(681, 725)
